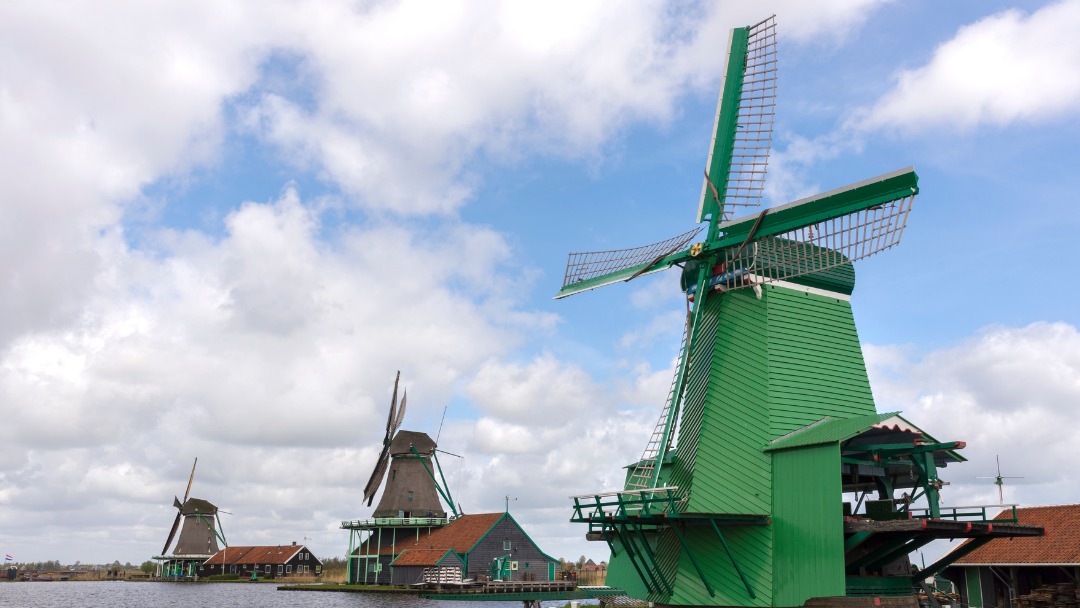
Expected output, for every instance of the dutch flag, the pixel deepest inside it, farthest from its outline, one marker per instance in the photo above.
(8, 558)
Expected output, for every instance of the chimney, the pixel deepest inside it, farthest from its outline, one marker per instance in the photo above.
(294, 543)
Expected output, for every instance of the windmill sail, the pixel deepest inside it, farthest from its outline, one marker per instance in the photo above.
(401, 412)
(393, 421)
(742, 131)
(589, 270)
(734, 171)
(180, 508)
(818, 233)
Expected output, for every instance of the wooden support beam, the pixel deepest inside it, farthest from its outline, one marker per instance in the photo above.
(693, 561)
(936, 567)
(731, 556)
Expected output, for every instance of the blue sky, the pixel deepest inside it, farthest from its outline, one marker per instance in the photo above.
(223, 232)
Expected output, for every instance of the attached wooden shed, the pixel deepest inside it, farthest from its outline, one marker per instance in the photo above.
(472, 543)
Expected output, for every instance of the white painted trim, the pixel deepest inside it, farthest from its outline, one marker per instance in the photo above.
(897, 422)
(803, 288)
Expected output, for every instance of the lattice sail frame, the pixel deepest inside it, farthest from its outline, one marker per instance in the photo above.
(642, 473)
(757, 107)
(818, 247)
(583, 266)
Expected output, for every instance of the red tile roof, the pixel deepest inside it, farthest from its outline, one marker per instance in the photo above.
(1060, 545)
(460, 535)
(387, 549)
(256, 554)
(374, 550)
(421, 557)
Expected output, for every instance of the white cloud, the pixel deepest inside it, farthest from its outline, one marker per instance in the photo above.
(545, 392)
(1008, 67)
(398, 117)
(263, 353)
(96, 102)
(1011, 392)
(268, 350)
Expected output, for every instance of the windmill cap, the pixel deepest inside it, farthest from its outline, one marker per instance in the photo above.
(198, 505)
(405, 441)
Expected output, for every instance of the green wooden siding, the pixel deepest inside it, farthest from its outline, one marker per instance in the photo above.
(816, 366)
(973, 578)
(731, 474)
(761, 368)
(621, 573)
(808, 558)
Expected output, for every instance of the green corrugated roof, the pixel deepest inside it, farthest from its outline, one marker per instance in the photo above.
(829, 429)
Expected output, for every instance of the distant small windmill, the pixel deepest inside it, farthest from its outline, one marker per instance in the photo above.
(409, 507)
(999, 480)
(202, 525)
(393, 423)
(411, 488)
(199, 534)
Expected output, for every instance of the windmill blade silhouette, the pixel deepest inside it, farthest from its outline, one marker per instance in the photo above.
(401, 412)
(191, 478)
(393, 419)
(172, 531)
(180, 508)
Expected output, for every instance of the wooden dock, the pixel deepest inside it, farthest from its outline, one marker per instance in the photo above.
(524, 591)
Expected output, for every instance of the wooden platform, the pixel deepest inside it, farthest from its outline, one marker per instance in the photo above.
(940, 528)
(498, 591)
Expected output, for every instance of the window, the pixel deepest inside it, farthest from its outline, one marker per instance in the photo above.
(318, 569)
(506, 545)
(288, 569)
(268, 568)
(410, 495)
(393, 474)
(280, 568)
(232, 569)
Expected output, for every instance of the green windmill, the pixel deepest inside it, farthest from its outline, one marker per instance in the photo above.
(770, 478)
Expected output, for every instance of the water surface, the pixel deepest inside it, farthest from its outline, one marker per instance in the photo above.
(124, 594)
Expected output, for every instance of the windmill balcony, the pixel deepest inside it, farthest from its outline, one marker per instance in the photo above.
(388, 522)
(654, 503)
(978, 513)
